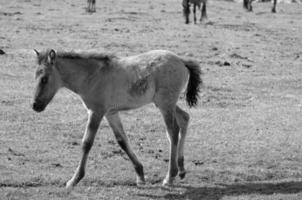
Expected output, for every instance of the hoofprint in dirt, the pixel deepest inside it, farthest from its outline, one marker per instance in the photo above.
(244, 139)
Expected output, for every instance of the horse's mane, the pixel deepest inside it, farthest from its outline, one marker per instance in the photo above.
(105, 57)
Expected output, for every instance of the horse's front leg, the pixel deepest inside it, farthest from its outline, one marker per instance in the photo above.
(186, 10)
(117, 128)
(194, 12)
(203, 11)
(94, 120)
(274, 7)
(250, 7)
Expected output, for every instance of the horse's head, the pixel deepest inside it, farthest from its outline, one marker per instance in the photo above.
(47, 80)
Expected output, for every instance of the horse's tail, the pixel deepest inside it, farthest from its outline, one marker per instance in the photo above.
(245, 4)
(195, 82)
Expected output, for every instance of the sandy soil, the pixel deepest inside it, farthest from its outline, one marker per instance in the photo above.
(245, 134)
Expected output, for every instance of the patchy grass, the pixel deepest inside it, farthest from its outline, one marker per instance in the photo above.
(244, 137)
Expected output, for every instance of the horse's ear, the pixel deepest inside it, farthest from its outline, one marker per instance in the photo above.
(37, 52)
(51, 56)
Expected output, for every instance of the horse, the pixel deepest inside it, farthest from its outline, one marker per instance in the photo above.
(91, 6)
(247, 4)
(196, 3)
(108, 84)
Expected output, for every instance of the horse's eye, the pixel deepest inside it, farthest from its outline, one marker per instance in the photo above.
(44, 80)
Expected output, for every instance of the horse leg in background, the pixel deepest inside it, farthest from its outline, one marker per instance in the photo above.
(203, 11)
(93, 6)
(247, 4)
(274, 7)
(117, 128)
(182, 118)
(88, 5)
(94, 120)
(250, 7)
(194, 12)
(186, 10)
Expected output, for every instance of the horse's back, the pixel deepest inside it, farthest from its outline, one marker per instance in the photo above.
(163, 70)
(161, 65)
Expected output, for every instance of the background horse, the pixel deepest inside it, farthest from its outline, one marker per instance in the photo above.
(91, 6)
(108, 84)
(196, 3)
(247, 4)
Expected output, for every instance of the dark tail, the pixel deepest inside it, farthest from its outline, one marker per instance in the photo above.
(245, 4)
(195, 82)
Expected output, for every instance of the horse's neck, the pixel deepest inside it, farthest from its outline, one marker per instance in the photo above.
(73, 75)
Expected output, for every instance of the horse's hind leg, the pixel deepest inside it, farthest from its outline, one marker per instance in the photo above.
(186, 10)
(93, 6)
(87, 142)
(250, 7)
(169, 115)
(203, 11)
(166, 102)
(194, 12)
(117, 128)
(182, 118)
(88, 4)
(274, 7)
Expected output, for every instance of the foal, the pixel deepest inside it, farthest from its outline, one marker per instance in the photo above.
(247, 4)
(196, 3)
(108, 84)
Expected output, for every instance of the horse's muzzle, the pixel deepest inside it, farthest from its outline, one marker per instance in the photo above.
(38, 106)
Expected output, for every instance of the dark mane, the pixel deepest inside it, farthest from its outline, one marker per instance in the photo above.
(86, 55)
(105, 57)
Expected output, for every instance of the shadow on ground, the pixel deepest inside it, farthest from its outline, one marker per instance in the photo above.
(219, 191)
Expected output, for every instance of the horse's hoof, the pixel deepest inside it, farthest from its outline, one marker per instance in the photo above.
(182, 174)
(168, 182)
(69, 186)
(140, 181)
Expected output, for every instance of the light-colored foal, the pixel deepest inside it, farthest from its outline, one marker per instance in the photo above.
(108, 84)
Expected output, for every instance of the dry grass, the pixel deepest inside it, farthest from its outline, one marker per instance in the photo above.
(245, 135)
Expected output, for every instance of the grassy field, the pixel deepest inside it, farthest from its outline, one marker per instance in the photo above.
(245, 134)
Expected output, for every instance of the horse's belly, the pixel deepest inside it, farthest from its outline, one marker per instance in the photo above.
(141, 92)
(136, 95)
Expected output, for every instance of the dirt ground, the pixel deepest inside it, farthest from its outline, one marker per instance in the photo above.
(245, 134)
